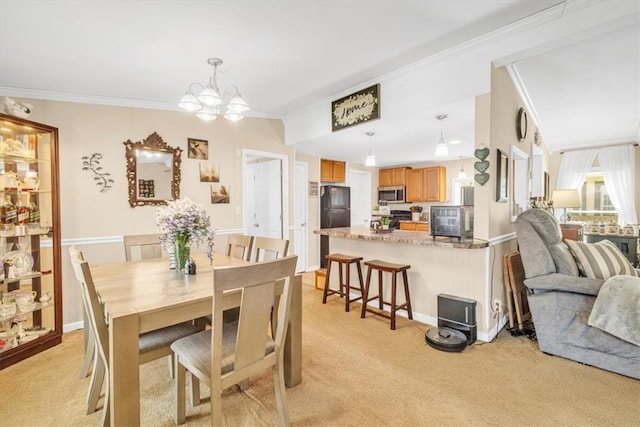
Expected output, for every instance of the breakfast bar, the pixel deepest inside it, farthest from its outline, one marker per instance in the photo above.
(438, 266)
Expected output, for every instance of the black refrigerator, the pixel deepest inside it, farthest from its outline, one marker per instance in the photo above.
(335, 211)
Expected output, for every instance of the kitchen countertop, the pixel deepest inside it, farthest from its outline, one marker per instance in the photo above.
(414, 222)
(418, 238)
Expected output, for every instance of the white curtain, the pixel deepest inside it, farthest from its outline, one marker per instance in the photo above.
(618, 171)
(574, 166)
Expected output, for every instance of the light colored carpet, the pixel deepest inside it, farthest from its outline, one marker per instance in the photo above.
(356, 372)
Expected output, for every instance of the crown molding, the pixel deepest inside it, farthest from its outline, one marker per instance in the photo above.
(104, 100)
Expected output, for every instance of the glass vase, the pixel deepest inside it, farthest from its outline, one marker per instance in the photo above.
(183, 251)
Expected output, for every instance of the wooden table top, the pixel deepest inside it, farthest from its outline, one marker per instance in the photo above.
(148, 285)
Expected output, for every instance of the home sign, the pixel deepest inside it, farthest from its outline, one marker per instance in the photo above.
(356, 108)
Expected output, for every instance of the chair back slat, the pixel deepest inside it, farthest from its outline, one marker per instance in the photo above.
(239, 246)
(142, 246)
(267, 248)
(253, 324)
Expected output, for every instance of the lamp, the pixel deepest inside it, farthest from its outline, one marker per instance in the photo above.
(209, 103)
(441, 148)
(565, 198)
(462, 174)
(371, 158)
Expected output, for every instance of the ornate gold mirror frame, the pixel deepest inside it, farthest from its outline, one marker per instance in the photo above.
(153, 171)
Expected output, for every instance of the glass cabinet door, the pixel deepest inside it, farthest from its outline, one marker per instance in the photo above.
(30, 285)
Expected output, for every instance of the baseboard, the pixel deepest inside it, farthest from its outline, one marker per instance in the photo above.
(70, 327)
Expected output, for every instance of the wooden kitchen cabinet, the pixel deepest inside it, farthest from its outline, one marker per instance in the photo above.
(427, 184)
(435, 182)
(414, 226)
(393, 177)
(332, 170)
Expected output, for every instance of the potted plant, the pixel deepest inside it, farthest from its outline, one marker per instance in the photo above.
(384, 222)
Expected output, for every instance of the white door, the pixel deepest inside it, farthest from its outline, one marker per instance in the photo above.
(300, 220)
(360, 183)
(265, 194)
(265, 204)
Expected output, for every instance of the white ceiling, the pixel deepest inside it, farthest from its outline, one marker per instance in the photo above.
(288, 57)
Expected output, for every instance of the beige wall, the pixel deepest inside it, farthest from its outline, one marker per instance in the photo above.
(88, 215)
(313, 209)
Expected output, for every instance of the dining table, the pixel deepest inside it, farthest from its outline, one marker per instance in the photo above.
(146, 295)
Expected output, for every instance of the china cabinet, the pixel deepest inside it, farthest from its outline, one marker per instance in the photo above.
(30, 275)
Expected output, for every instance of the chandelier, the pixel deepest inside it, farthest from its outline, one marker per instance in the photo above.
(209, 103)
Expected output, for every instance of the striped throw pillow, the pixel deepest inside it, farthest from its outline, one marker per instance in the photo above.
(600, 260)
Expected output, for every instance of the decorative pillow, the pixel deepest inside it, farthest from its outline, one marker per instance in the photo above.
(600, 260)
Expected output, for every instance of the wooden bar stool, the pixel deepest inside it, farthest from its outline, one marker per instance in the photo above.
(345, 286)
(394, 269)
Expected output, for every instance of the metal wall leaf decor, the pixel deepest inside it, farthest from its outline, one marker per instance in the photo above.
(101, 178)
(481, 166)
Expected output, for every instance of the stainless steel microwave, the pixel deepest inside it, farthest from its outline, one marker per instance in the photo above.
(451, 221)
(392, 194)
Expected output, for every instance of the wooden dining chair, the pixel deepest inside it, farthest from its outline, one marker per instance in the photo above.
(267, 248)
(142, 246)
(239, 246)
(153, 345)
(229, 353)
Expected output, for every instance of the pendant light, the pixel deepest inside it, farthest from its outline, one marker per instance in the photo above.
(371, 158)
(462, 174)
(441, 149)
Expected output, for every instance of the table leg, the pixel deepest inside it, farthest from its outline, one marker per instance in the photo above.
(293, 343)
(124, 375)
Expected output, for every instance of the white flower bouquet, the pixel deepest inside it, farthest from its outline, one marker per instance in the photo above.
(182, 223)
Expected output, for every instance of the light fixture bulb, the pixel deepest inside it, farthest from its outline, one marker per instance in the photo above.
(237, 104)
(462, 174)
(209, 96)
(371, 158)
(189, 102)
(441, 149)
(207, 114)
(234, 117)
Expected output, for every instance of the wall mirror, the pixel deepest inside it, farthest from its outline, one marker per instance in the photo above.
(153, 171)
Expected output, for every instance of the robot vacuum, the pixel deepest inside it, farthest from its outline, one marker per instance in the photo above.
(446, 339)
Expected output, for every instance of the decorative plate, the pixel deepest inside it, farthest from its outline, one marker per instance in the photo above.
(20, 261)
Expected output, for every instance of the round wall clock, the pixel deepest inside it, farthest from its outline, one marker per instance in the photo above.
(521, 124)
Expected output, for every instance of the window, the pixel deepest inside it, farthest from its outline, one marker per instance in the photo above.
(596, 204)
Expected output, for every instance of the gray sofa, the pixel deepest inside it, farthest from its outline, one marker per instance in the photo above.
(561, 301)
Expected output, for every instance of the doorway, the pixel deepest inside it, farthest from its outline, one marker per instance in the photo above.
(360, 183)
(300, 213)
(265, 194)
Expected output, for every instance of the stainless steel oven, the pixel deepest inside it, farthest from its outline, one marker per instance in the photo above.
(452, 221)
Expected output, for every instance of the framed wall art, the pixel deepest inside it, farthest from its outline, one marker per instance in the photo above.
(502, 172)
(198, 149)
(209, 172)
(220, 193)
(357, 108)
